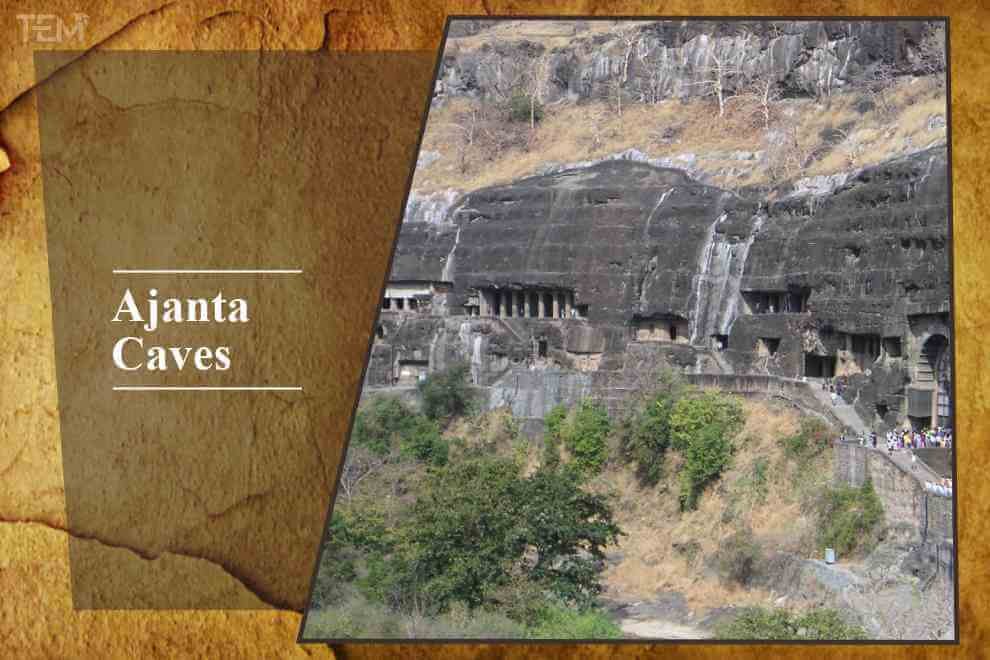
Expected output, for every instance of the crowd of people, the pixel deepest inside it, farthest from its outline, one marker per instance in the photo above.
(909, 440)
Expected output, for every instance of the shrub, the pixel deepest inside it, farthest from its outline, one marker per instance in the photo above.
(337, 565)
(849, 519)
(758, 478)
(446, 394)
(758, 623)
(644, 437)
(705, 458)
(463, 622)
(553, 423)
(519, 109)
(422, 441)
(737, 557)
(585, 434)
(354, 618)
(387, 422)
(558, 622)
(379, 423)
(711, 409)
(811, 440)
(701, 427)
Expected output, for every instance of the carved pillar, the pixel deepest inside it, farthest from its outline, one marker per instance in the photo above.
(501, 303)
(482, 303)
(556, 304)
(541, 305)
(568, 298)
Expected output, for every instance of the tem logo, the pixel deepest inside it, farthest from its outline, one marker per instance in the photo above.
(52, 29)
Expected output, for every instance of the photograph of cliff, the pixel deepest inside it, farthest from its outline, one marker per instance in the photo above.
(665, 351)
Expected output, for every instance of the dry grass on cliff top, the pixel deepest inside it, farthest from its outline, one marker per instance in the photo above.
(551, 33)
(665, 549)
(590, 130)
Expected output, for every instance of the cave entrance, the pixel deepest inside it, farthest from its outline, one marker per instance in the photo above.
(767, 345)
(892, 347)
(541, 348)
(819, 366)
(720, 342)
(412, 371)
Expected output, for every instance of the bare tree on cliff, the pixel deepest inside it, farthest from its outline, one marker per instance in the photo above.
(613, 92)
(537, 84)
(359, 464)
(467, 125)
(716, 78)
(502, 74)
(760, 98)
(654, 63)
(629, 38)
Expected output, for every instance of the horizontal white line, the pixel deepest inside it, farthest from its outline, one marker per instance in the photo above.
(204, 388)
(206, 271)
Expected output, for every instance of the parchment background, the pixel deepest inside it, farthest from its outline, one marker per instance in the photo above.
(36, 619)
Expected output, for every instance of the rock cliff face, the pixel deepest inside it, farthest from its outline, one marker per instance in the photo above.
(668, 59)
(577, 270)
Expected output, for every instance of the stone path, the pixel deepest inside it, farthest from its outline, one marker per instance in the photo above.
(843, 411)
(902, 459)
(660, 629)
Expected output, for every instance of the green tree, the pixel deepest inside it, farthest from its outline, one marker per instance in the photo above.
(422, 441)
(849, 518)
(380, 423)
(446, 394)
(710, 409)
(560, 519)
(707, 455)
(477, 519)
(644, 436)
(585, 435)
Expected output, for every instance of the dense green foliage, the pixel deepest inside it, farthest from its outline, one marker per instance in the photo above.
(358, 617)
(705, 458)
(387, 423)
(379, 424)
(585, 435)
(702, 427)
(557, 622)
(849, 519)
(553, 422)
(644, 433)
(707, 410)
(423, 442)
(446, 394)
(757, 623)
(476, 520)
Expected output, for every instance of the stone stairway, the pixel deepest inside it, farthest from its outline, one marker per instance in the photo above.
(844, 412)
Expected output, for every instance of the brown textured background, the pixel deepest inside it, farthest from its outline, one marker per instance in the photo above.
(36, 619)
